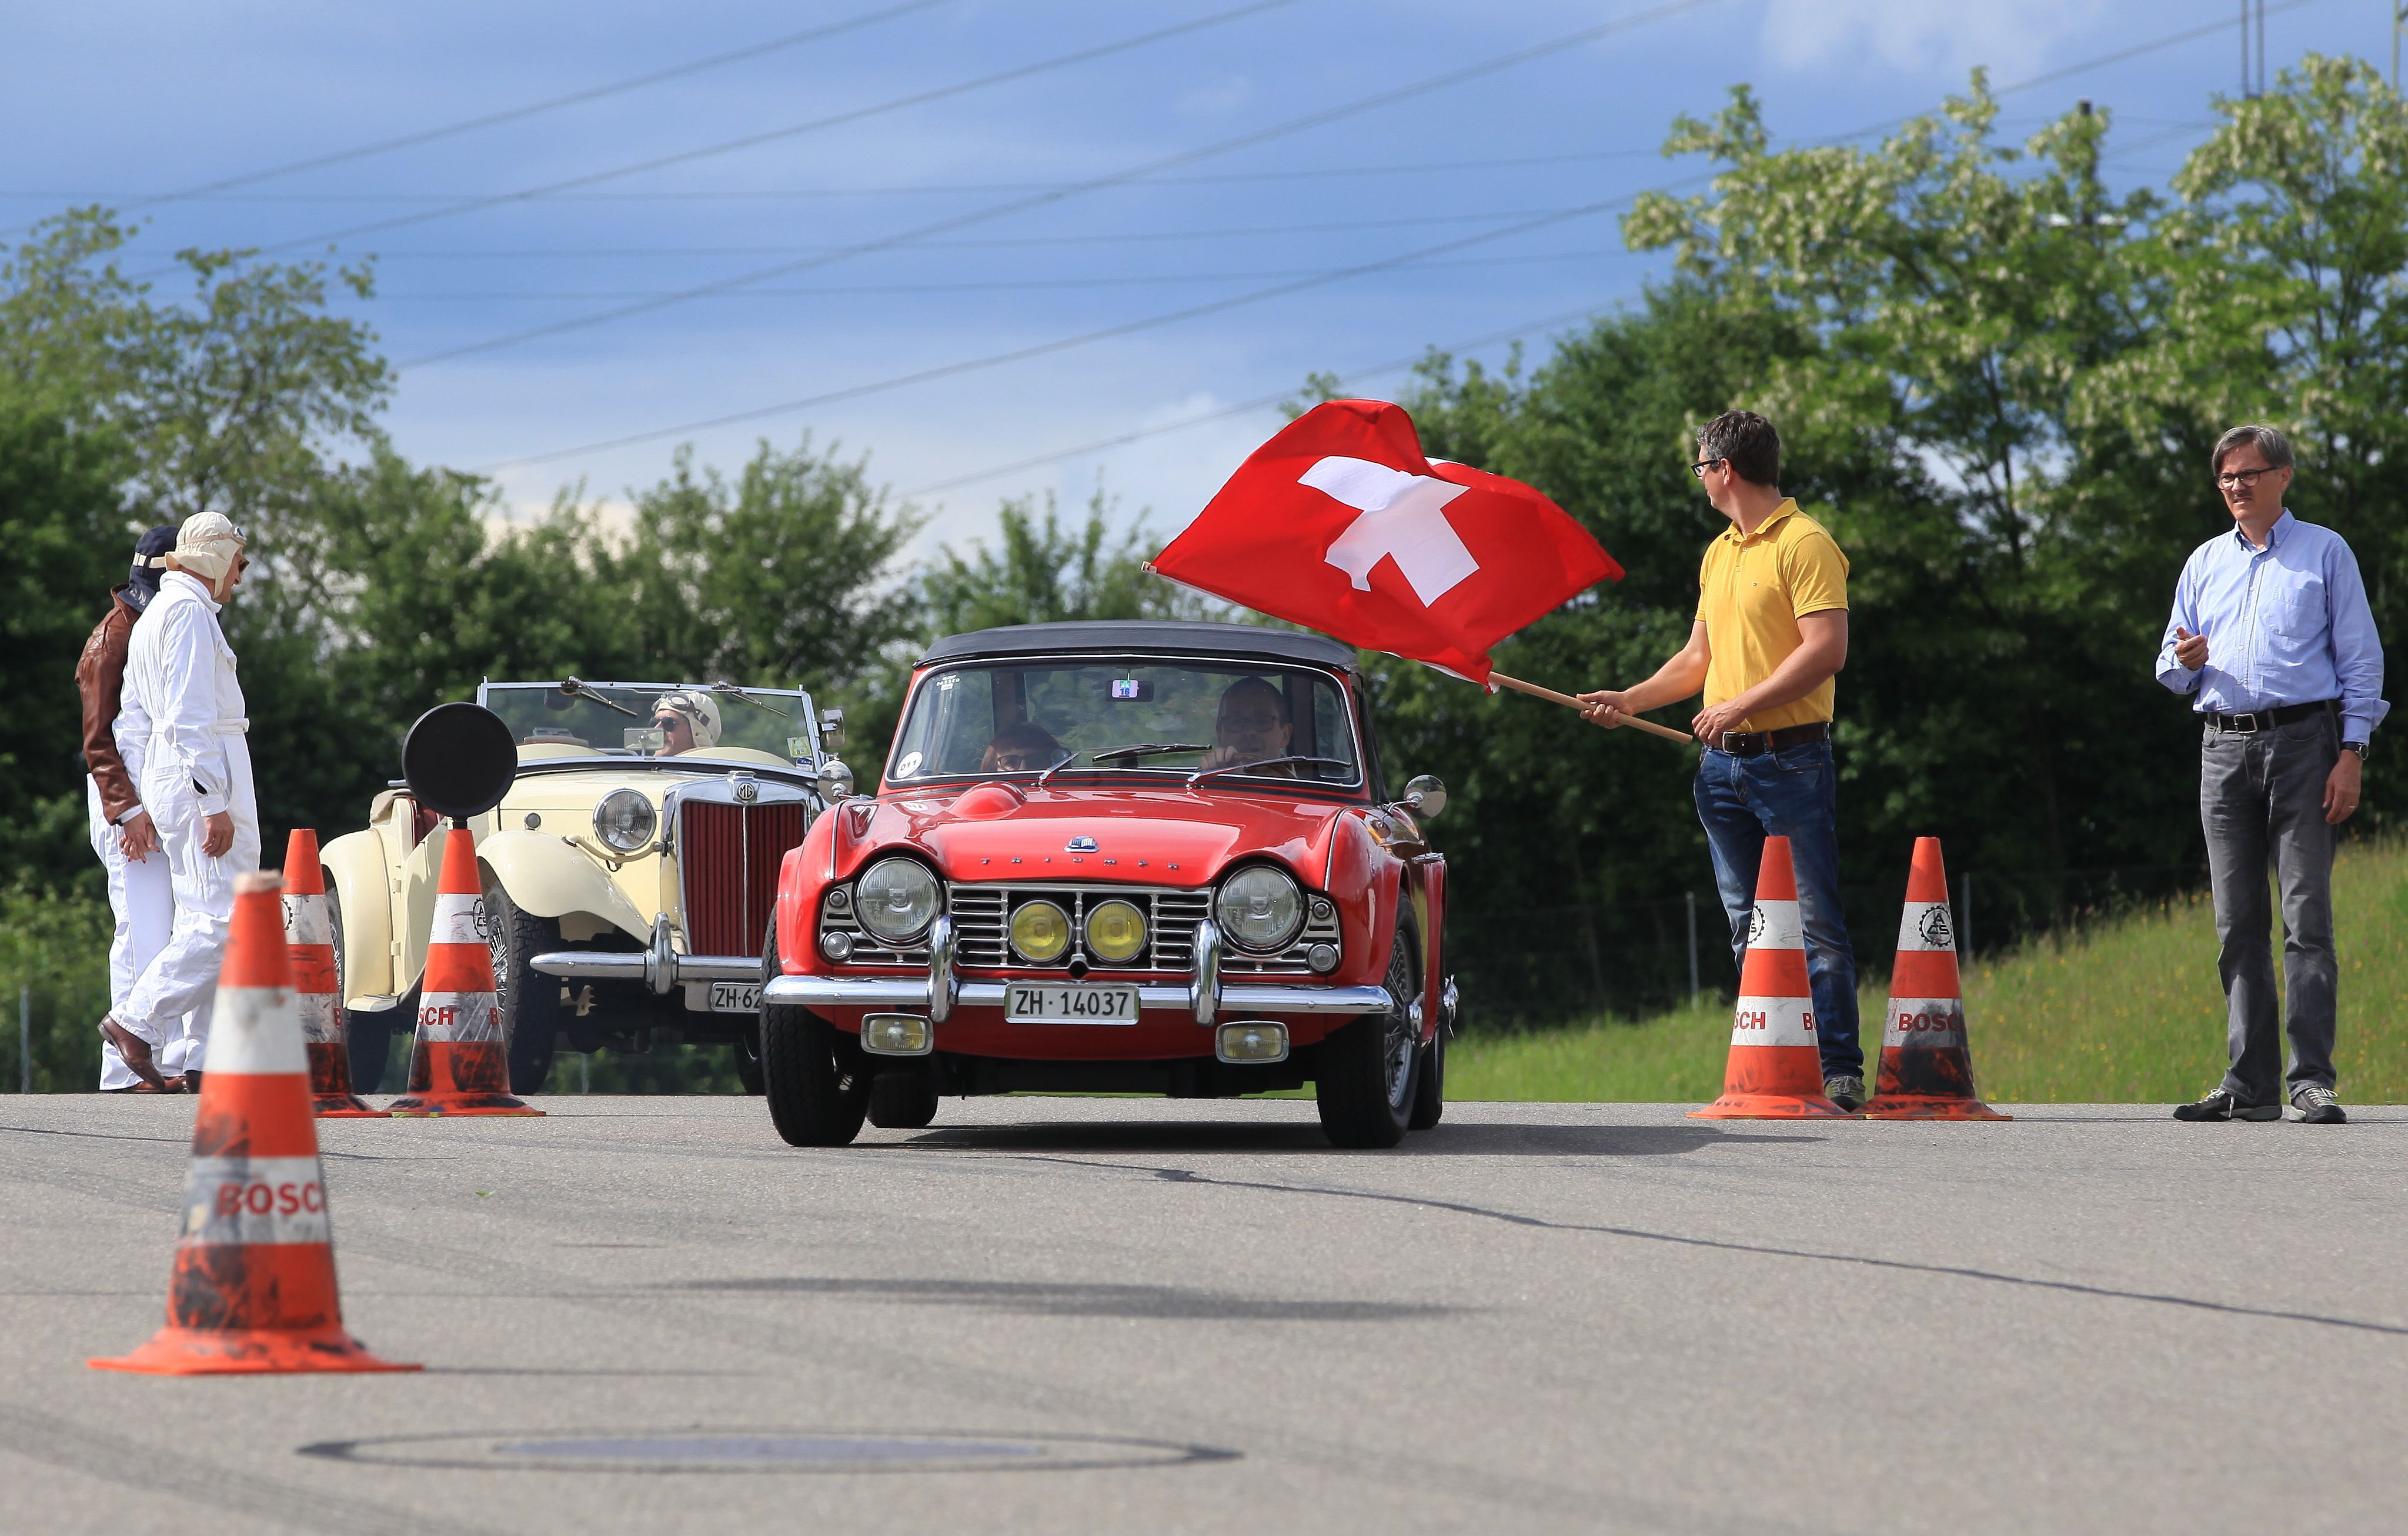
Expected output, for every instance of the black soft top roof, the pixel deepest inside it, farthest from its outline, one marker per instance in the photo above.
(1120, 636)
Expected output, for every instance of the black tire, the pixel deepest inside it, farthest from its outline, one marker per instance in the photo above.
(1369, 1069)
(528, 1000)
(812, 1073)
(367, 1038)
(1429, 1088)
(904, 1101)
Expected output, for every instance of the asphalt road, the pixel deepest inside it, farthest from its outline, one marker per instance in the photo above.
(1129, 1315)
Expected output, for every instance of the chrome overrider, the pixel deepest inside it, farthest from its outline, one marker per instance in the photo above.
(1204, 997)
(659, 966)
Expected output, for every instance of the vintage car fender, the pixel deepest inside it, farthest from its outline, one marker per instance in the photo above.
(1367, 881)
(1433, 873)
(549, 877)
(362, 879)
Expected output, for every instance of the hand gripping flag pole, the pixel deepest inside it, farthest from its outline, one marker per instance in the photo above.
(1340, 523)
(252, 1290)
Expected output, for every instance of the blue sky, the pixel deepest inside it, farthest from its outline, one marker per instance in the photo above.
(114, 101)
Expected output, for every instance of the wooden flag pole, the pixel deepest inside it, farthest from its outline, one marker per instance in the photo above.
(1666, 732)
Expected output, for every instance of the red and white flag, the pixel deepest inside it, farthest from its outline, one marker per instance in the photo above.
(1339, 524)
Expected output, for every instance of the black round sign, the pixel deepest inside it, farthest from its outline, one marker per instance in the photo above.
(459, 759)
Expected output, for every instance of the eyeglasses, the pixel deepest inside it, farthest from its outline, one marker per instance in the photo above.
(2240, 479)
(1700, 468)
(668, 723)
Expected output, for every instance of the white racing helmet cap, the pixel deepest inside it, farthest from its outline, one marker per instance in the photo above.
(207, 544)
(700, 710)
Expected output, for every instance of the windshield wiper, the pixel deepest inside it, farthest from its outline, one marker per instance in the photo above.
(575, 688)
(1267, 762)
(1141, 749)
(731, 688)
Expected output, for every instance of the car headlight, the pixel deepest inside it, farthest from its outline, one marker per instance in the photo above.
(896, 899)
(1040, 931)
(1115, 931)
(1260, 907)
(626, 821)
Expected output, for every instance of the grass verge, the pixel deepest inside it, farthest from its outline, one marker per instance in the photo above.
(2124, 1011)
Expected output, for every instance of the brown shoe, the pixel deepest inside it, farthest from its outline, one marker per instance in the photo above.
(135, 1050)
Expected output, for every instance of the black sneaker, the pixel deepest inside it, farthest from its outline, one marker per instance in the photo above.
(2319, 1106)
(2220, 1105)
(1847, 1092)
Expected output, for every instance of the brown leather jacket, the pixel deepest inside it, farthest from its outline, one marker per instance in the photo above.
(100, 677)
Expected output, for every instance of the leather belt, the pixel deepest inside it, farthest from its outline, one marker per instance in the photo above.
(2266, 720)
(1756, 743)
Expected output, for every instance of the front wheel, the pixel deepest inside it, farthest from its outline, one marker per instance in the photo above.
(367, 1038)
(812, 1075)
(528, 1000)
(1366, 1087)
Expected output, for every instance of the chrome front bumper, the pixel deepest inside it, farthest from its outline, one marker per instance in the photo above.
(1237, 998)
(1203, 998)
(659, 968)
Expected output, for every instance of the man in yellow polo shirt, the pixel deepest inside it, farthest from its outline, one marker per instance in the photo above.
(1771, 633)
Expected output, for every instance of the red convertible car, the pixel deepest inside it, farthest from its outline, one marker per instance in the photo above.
(1147, 858)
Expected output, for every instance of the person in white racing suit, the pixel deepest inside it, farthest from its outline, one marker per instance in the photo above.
(179, 674)
(124, 838)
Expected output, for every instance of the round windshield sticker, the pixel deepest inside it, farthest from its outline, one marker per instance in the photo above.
(909, 765)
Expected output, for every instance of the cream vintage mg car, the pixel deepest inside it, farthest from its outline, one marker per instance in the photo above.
(630, 872)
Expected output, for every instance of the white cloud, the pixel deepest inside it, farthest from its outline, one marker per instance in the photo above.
(2012, 36)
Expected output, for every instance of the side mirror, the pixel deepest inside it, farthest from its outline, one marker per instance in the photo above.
(836, 780)
(832, 729)
(1424, 796)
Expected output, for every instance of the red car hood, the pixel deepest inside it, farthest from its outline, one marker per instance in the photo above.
(1163, 837)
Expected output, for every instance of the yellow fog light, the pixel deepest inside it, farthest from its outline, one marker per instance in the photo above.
(1040, 931)
(896, 1035)
(1115, 932)
(1251, 1042)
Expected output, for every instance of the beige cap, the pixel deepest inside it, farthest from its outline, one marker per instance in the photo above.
(700, 710)
(206, 545)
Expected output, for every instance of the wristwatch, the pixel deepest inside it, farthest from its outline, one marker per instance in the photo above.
(2358, 747)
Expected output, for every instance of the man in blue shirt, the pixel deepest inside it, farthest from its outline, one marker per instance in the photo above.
(2272, 638)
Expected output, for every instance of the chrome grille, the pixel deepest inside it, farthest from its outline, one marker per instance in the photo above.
(981, 915)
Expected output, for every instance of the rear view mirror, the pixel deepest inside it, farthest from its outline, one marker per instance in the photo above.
(645, 738)
(1424, 796)
(832, 729)
(1132, 690)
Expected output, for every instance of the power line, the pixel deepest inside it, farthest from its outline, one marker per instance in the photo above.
(1263, 403)
(488, 120)
(896, 104)
(1007, 285)
(1311, 120)
(1266, 401)
(923, 188)
(1041, 349)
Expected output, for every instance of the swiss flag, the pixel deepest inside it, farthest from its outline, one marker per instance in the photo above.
(1340, 525)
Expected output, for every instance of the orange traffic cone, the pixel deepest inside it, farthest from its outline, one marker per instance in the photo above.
(309, 938)
(1775, 1069)
(460, 1063)
(1926, 1070)
(253, 1286)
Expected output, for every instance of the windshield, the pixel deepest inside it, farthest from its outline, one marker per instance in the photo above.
(1023, 717)
(654, 719)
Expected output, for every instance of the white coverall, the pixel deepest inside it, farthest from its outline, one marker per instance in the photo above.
(179, 675)
(144, 903)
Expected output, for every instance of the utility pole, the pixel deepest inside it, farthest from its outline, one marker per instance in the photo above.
(2398, 22)
(1690, 898)
(24, 1040)
(2253, 57)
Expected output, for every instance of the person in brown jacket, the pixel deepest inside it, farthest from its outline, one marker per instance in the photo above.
(123, 835)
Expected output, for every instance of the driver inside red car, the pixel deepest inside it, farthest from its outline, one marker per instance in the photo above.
(1024, 748)
(1254, 726)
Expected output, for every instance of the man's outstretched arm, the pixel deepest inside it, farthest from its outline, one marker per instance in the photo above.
(1680, 678)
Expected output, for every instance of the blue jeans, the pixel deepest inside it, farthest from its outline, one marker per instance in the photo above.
(1788, 794)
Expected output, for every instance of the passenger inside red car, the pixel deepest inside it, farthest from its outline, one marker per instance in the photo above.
(1254, 726)
(1024, 748)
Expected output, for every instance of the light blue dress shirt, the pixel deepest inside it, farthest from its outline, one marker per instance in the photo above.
(2285, 624)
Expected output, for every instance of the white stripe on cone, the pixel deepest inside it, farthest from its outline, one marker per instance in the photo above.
(1919, 1022)
(1776, 925)
(1773, 1021)
(458, 1016)
(458, 920)
(307, 921)
(254, 1199)
(1926, 927)
(252, 1031)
